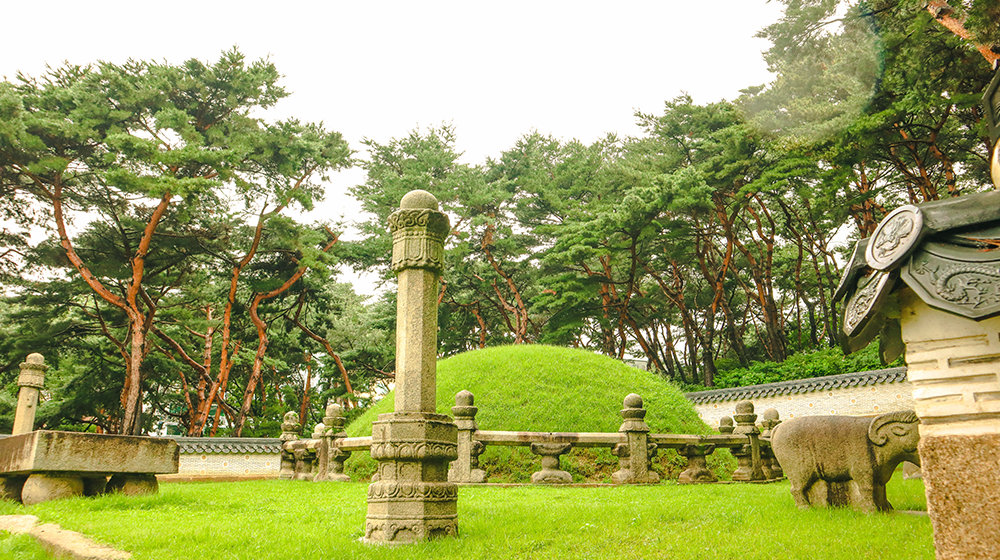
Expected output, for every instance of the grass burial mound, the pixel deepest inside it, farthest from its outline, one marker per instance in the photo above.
(535, 388)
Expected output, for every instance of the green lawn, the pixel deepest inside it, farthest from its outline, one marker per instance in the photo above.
(274, 519)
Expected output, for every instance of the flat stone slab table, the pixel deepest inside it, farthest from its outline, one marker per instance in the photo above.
(46, 465)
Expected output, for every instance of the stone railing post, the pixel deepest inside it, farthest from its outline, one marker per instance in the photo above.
(320, 459)
(769, 464)
(551, 473)
(289, 432)
(412, 499)
(697, 468)
(635, 455)
(466, 469)
(748, 457)
(334, 422)
(31, 381)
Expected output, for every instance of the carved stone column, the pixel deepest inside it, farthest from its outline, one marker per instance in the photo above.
(412, 499)
(31, 381)
(635, 454)
(466, 469)
(748, 457)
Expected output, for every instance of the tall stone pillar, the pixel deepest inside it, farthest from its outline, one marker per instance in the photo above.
(412, 499)
(31, 382)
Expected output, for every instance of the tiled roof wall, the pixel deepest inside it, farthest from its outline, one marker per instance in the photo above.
(867, 393)
(202, 445)
(795, 387)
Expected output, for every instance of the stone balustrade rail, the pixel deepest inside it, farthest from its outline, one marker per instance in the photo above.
(322, 457)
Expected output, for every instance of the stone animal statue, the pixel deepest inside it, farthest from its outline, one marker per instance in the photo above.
(845, 460)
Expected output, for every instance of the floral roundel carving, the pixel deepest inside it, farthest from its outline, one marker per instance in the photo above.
(895, 237)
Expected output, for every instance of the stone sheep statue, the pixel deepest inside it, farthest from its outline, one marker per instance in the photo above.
(845, 460)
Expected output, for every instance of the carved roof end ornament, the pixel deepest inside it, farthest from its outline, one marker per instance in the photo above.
(946, 251)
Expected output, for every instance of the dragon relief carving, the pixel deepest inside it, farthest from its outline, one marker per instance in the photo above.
(964, 284)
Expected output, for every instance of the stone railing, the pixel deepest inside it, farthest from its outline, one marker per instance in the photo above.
(322, 456)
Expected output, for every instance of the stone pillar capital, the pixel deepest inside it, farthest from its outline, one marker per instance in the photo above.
(418, 232)
(33, 372)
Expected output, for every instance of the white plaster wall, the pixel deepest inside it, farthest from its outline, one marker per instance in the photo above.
(871, 400)
(229, 464)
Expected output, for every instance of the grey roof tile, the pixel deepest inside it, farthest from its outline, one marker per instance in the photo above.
(798, 386)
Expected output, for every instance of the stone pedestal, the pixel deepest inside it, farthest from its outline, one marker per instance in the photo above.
(954, 364)
(551, 473)
(697, 470)
(43, 487)
(412, 499)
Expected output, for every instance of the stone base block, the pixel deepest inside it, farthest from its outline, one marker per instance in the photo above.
(133, 484)
(552, 476)
(44, 487)
(412, 499)
(338, 477)
(407, 531)
(962, 478)
(476, 476)
(696, 475)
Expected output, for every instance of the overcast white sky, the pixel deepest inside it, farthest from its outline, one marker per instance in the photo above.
(378, 69)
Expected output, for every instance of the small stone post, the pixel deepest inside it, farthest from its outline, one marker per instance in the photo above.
(412, 499)
(551, 473)
(769, 463)
(466, 469)
(31, 381)
(334, 422)
(289, 432)
(635, 454)
(748, 457)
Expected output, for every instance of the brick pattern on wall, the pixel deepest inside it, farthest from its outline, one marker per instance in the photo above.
(229, 464)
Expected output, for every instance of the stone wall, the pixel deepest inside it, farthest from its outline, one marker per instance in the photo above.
(868, 393)
(228, 457)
